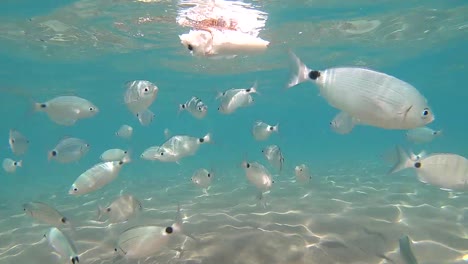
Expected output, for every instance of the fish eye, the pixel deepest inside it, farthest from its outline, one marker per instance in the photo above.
(425, 112)
(417, 165)
(190, 47)
(199, 108)
(248, 90)
(162, 153)
(108, 209)
(209, 175)
(146, 90)
(75, 189)
(247, 165)
(63, 220)
(125, 152)
(91, 109)
(169, 230)
(115, 249)
(43, 105)
(53, 153)
(271, 128)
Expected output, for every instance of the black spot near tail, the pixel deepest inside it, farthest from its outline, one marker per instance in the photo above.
(75, 260)
(314, 75)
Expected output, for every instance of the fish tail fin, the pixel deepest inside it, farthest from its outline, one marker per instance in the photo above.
(207, 138)
(439, 133)
(181, 108)
(19, 163)
(276, 127)
(254, 88)
(75, 259)
(302, 73)
(403, 161)
(126, 159)
(99, 213)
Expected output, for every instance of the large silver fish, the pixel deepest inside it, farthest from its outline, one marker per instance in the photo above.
(372, 97)
(63, 245)
(66, 110)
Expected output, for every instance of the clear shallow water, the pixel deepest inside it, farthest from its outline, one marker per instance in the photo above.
(350, 213)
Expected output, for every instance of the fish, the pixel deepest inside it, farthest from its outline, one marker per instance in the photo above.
(233, 99)
(274, 156)
(10, 166)
(97, 177)
(62, 244)
(183, 145)
(69, 149)
(148, 240)
(262, 131)
(195, 107)
(121, 209)
(258, 175)
(46, 214)
(145, 117)
(343, 123)
(18, 142)
(422, 135)
(447, 171)
(302, 173)
(374, 98)
(202, 178)
(125, 131)
(114, 155)
(222, 43)
(161, 154)
(139, 95)
(67, 110)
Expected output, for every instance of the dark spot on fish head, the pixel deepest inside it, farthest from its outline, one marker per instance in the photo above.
(43, 105)
(63, 220)
(190, 47)
(169, 230)
(314, 75)
(417, 165)
(53, 153)
(108, 209)
(202, 140)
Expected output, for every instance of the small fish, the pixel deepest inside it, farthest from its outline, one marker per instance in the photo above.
(302, 172)
(66, 110)
(18, 143)
(183, 146)
(10, 165)
(262, 131)
(258, 175)
(343, 123)
(233, 99)
(444, 170)
(145, 117)
(97, 177)
(68, 150)
(195, 107)
(62, 244)
(274, 156)
(372, 97)
(146, 241)
(114, 155)
(125, 131)
(167, 133)
(422, 135)
(139, 95)
(46, 214)
(202, 178)
(161, 154)
(121, 209)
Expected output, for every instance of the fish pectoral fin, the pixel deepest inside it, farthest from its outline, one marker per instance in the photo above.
(405, 112)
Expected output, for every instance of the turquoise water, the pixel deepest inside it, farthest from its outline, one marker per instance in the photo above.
(350, 200)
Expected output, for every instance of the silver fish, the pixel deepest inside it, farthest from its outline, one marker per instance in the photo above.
(195, 107)
(68, 150)
(125, 131)
(375, 98)
(46, 214)
(343, 123)
(302, 172)
(18, 142)
(274, 156)
(233, 99)
(422, 135)
(66, 110)
(140, 94)
(97, 177)
(202, 178)
(262, 131)
(444, 170)
(121, 209)
(145, 117)
(62, 244)
(114, 155)
(258, 175)
(10, 165)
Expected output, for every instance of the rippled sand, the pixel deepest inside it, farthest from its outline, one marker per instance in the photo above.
(345, 215)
